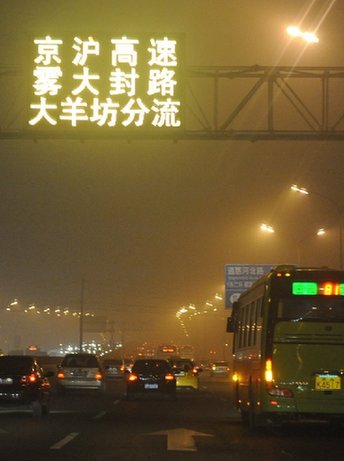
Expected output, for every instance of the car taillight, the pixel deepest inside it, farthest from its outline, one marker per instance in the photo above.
(195, 371)
(169, 377)
(132, 377)
(29, 379)
(60, 375)
(98, 376)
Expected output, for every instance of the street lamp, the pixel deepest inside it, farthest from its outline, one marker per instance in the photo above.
(302, 190)
(308, 37)
(339, 212)
(267, 228)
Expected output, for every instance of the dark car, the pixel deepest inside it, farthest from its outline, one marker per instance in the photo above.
(114, 368)
(149, 377)
(24, 385)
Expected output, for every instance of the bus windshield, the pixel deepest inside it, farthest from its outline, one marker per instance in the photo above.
(311, 308)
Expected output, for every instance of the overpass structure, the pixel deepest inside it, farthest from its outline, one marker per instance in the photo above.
(219, 103)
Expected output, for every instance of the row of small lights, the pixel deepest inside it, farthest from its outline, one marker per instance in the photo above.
(192, 311)
(90, 348)
(32, 308)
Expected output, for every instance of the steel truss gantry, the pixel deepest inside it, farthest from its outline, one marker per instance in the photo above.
(229, 103)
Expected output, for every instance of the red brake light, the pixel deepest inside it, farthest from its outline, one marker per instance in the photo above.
(169, 377)
(60, 375)
(99, 376)
(132, 377)
(28, 379)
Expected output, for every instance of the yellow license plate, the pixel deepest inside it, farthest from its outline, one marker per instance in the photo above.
(327, 382)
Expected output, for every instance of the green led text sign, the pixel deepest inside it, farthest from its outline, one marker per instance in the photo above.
(316, 288)
(113, 82)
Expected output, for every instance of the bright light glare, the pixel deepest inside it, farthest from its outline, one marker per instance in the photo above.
(302, 190)
(309, 37)
(321, 231)
(267, 228)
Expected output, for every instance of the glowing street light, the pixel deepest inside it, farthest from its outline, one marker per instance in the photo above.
(339, 212)
(308, 37)
(302, 190)
(267, 228)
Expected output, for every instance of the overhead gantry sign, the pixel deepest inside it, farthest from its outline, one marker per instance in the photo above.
(111, 82)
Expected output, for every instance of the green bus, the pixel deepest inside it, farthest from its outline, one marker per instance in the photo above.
(288, 346)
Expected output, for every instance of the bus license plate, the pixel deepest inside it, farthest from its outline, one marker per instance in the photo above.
(327, 382)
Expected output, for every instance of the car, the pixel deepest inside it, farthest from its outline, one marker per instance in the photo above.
(186, 374)
(114, 368)
(219, 368)
(24, 385)
(80, 371)
(151, 377)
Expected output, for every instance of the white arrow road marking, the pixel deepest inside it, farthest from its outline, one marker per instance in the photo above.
(181, 439)
(64, 441)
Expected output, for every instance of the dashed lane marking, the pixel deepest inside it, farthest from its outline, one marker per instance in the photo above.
(64, 441)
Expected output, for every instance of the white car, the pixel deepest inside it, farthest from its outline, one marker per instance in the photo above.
(219, 368)
(80, 371)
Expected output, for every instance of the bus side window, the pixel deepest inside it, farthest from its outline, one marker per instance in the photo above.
(241, 328)
(252, 337)
(259, 319)
(246, 324)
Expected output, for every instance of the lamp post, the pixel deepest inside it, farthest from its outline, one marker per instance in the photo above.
(339, 212)
(81, 320)
(269, 229)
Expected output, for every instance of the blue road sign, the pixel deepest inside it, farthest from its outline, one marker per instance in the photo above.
(239, 277)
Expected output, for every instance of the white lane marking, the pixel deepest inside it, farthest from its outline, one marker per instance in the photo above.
(57, 412)
(64, 441)
(100, 414)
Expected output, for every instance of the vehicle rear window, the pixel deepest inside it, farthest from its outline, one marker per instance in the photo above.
(151, 366)
(311, 308)
(80, 361)
(115, 363)
(182, 364)
(17, 364)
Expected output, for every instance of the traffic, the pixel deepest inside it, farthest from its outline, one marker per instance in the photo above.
(280, 388)
(123, 421)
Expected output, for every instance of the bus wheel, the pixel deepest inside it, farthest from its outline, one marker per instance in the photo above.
(255, 420)
(252, 416)
(244, 415)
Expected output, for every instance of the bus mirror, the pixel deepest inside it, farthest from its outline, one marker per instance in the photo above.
(232, 320)
(230, 325)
